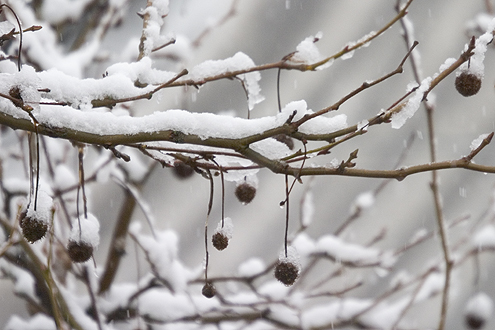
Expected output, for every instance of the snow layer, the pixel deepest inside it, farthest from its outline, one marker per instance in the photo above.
(484, 238)
(43, 210)
(477, 142)
(251, 267)
(480, 305)
(37, 322)
(162, 253)
(238, 62)
(86, 230)
(308, 53)
(226, 227)
(412, 105)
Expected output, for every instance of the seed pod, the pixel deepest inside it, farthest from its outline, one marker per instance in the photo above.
(245, 192)
(286, 272)
(468, 84)
(478, 310)
(209, 290)
(79, 251)
(182, 170)
(474, 321)
(33, 229)
(220, 241)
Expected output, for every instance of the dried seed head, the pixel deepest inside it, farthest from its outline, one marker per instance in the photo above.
(209, 290)
(478, 310)
(33, 229)
(245, 192)
(220, 241)
(474, 321)
(467, 84)
(182, 170)
(79, 251)
(286, 272)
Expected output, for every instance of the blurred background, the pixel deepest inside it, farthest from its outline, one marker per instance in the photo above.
(267, 31)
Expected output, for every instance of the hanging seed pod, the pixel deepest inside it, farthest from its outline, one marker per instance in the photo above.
(467, 83)
(286, 272)
(33, 229)
(209, 290)
(220, 241)
(84, 238)
(79, 251)
(245, 192)
(478, 311)
(182, 170)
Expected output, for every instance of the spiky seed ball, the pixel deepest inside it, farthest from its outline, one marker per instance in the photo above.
(32, 229)
(286, 272)
(209, 290)
(79, 251)
(220, 241)
(467, 84)
(245, 192)
(182, 170)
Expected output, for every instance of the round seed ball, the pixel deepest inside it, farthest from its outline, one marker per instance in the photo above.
(220, 241)
(79, 251)
(182, 170)
(32, 229)
(245, 192)
(209, 290)
(474, 321)
(286, 272)
(467, 84)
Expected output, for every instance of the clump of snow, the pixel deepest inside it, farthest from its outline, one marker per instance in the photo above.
(484, 238)
(238, 62)
(481, 22)
(308, 53)
(162, 253)
(251, 267)
(291, 257)
(480, 305)
(448, 62)
(226, 227)
(162, 305)
(475, 63)
(304, 244)
(317, 125)
(64, 177)
(58, 11)
(155, 11)
(44, 206)
(6, 27)
(477, 142)
(325, 315)
(363, 201)
(348, 252)
(141, 71)
(26, 81)
(86, 230)
(433, 284)
(412, 105)
(36, 322)
(271, 148)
